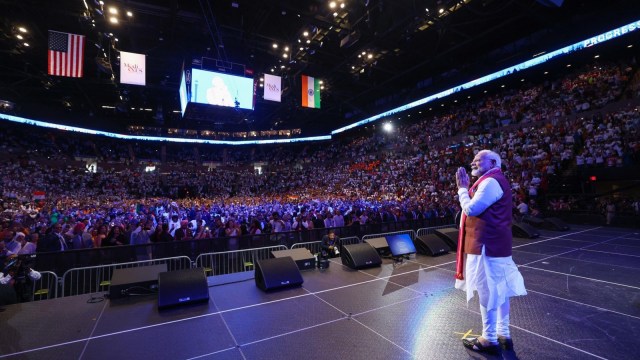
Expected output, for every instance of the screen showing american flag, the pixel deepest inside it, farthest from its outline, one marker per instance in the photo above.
(66, 54)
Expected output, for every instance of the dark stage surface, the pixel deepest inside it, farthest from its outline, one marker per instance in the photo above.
(583, 303)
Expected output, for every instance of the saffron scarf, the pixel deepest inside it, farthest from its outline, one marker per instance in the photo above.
(463, 219)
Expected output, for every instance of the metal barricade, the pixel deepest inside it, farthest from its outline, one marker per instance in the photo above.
(46, 287)
(87, 280)
(372, 236)
(229, 262)
(315, 246)
(430, 230)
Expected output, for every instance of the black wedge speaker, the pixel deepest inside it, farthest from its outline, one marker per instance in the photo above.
(532, 220)
(449, 235)
(360, 256)
(553, 223)
(431, 245)
(380, 244)
(523, 230)
(277, 273)
(182, 287)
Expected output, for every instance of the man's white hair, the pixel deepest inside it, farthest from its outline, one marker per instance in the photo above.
(492, 156)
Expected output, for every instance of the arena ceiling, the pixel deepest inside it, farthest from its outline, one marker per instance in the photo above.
(372, 55)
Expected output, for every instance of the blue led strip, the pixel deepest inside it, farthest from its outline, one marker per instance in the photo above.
(158, 138)
(594, 40)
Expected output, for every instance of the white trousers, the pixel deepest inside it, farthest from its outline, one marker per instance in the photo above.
(495, 280)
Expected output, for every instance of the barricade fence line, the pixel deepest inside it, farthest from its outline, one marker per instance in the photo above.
(373, 236)
(229, 262)
(92, 279)
(46, 287)
(61, 261)
(315, 246)
(432, 229)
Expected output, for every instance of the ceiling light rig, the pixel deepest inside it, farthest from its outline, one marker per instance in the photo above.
(22, 35)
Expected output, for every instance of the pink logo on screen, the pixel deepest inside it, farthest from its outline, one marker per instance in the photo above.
(310, 92)
(133, 68)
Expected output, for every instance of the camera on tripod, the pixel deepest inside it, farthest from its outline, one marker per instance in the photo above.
(19, 265)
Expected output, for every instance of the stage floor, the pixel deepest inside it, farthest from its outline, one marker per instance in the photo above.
(583, 303)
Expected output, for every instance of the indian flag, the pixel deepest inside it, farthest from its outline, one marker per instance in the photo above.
(310, 92)
(38, 195)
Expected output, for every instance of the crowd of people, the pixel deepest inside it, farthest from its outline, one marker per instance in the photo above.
(541, 131)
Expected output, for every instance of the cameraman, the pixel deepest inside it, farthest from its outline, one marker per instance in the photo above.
(330, 246)
(16, 279)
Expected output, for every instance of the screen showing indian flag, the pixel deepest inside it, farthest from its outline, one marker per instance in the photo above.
(310, 92)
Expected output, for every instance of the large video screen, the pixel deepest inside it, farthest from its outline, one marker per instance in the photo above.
(219, 89)
(182, 91)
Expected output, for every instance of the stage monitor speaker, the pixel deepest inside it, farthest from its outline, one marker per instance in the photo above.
(532, 220)
(449, 235)
(551, 3)
(553, 223)
(360, 256)
(523, 230)
(277, 273)
(431, 245)
(380, 244)
(302, 256)
(182, 287)
(125, 281)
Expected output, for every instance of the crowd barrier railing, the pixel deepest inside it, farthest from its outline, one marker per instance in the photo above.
(373, 236)
(315, 246)
(61, 261)
(229, 262)
(46, 287)
(92, 279)
(218, 256)
(432, 229)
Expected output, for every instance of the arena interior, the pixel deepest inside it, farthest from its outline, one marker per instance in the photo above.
(229, 207)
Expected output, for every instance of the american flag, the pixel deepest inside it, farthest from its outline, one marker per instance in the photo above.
(66, 54)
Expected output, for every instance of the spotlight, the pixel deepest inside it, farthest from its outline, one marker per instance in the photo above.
(113, 20)
(22, 29)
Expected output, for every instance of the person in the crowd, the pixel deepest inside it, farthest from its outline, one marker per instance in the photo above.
(29, 244)
(100, 235)
(81, 240)
(183, 232)
(54, 240)
(115, 237)
(13, 243)
(610, 210)
(486, 240)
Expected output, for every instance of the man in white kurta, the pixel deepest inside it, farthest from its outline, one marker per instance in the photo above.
(485, 239)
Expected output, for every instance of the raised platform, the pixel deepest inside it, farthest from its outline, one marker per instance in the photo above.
(583, 286)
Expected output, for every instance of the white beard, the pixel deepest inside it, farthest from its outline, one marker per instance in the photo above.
(475, 172)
